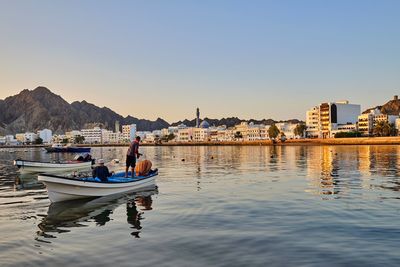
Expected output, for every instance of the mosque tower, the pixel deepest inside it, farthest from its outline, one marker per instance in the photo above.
(197, 118)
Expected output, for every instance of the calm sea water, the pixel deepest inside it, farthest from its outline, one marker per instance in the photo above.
(221, 206)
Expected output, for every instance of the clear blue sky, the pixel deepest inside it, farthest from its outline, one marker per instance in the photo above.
(251, 59)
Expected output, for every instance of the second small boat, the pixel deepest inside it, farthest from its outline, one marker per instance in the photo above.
(81, 162)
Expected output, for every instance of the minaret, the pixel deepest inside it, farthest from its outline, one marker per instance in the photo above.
(197, 118)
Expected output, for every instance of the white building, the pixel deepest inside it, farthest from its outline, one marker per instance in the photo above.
(143, 134)
(71, 135)
(368, 121)
(312, 123)
(92, 136)
(225, 135)
(129, 132)
(46, 135)
(185, 135)
(201, 134)
(8, 140)
(20, 137)
(330, 116)
(251, 131)
(30, 137)
(287, 129)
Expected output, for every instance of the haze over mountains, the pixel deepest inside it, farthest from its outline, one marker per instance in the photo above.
(32, 110)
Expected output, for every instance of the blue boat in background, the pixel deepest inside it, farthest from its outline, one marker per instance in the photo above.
(67, 149)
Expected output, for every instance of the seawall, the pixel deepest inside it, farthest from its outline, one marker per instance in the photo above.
(394, 140)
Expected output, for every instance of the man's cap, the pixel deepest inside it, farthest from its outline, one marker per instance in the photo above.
(101, 161)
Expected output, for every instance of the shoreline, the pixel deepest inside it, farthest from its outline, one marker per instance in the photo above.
(395, 140)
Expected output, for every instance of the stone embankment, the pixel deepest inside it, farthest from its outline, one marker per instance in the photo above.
(395, 140)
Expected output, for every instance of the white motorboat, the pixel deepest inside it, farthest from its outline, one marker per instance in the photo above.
(81, 162)
(65, 166)
(62, 188)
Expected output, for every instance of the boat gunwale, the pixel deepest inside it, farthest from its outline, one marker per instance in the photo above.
(49, 162)
(96, 182)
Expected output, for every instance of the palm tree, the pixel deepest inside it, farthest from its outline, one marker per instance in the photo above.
(384, 128)
(299, 130)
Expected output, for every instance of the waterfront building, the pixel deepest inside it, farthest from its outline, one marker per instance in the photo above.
(201, 134)
(114, 138)
(224, 135)
(72, 134)
(20, 137)
(242, 129)
(251, 131)
(30, 137)
(151, 137)
(368, 121)
(129, 132)
(312, 123)
(92, 136)
(287, 129)
(255, 132)
(143, 134)
(8, 140)
(185, 135)
(330, 116)
(385, 118)
(46, 135)
(344, 128)
(108, 136)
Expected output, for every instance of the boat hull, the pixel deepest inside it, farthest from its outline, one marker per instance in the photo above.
(63, 189)
(37, 167)
(68, 149)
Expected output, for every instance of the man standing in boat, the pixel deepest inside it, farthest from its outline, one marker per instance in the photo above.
(131, 155)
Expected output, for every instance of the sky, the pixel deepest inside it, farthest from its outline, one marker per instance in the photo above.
(250, 59)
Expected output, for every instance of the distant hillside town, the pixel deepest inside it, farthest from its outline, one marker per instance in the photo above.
(201, 132)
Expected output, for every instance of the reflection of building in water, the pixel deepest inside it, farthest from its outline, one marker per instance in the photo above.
(366, 162)
(339, 169)
(322, 170)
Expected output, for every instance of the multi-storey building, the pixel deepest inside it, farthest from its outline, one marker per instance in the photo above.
(71, 135)
(185, 135)
(129, 132)
(92, 136)
(331, 116)
(46, 135)
(312, 123)
(368, 121)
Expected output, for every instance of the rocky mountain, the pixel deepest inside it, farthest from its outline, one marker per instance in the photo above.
(40, 108)
(392, 107)
(32, 110)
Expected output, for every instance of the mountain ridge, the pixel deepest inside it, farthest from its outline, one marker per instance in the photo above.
(32, 110)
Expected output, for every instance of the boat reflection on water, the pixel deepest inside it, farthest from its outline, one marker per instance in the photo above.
(27, 181)
(62, 216)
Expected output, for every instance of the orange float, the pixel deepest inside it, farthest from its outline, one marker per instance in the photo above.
(143, 167)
